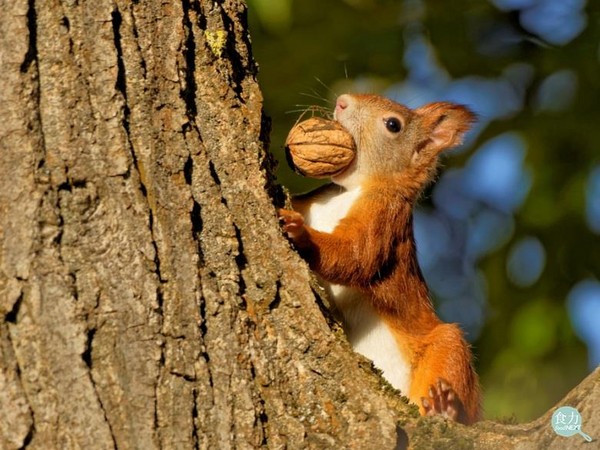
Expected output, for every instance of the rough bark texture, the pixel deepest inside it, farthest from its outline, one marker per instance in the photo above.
(147, 296)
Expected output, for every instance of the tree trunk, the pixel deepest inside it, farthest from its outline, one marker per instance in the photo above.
(147, 296)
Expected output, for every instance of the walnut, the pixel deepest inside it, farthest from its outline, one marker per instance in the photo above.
(319, 148)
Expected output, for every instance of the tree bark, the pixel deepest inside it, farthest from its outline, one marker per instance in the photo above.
(147, 296)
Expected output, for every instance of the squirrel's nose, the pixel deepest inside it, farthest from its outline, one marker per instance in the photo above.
(341, 104)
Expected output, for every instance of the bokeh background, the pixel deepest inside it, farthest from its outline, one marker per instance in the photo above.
(508, 238)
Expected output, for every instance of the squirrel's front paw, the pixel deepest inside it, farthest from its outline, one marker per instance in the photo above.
(293, 223)
(443, 401)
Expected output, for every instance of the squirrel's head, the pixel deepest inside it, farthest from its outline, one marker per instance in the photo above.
(392, 139)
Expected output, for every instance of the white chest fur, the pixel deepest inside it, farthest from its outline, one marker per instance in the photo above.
(368, 334)
(330, 207)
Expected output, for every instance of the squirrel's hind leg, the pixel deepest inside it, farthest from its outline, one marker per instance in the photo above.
(443, 380)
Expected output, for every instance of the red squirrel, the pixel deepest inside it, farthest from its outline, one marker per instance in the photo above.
(357, 235)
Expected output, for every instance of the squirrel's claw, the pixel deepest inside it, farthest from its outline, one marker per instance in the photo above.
(442, 401)
(293, 223)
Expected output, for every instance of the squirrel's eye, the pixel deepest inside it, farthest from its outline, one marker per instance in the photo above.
(393, 125)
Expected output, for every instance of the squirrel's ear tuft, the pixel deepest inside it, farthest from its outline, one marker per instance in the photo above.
(445, 125)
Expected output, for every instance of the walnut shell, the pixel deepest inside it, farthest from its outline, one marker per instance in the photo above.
(319, 148)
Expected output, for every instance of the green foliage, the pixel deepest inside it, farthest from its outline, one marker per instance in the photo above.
(528, 353)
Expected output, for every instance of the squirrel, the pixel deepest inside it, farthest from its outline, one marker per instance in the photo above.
(357, 235)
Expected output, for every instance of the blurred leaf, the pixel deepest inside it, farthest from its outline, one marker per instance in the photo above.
(274, 16)
(534, 328)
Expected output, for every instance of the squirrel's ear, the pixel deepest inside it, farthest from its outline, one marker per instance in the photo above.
(445, 124)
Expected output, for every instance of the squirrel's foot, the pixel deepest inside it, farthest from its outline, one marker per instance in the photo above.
(293, 223)
(442, 401)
